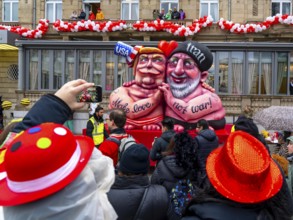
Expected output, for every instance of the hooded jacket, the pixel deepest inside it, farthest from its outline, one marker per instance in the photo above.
(167, 173)
(223, 210)
(161, 144)
(207, 141)
(129, 193)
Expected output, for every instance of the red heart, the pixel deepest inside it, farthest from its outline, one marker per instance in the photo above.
(167, 47)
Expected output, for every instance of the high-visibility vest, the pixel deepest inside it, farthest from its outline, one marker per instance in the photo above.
(98, 131)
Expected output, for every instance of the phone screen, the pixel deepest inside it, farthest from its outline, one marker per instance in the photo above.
(92, 94)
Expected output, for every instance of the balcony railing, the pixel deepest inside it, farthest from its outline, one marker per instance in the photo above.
(185, 22)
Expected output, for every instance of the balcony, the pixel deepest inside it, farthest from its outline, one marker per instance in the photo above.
(213, 33)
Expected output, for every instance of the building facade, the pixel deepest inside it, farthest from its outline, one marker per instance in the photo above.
(251, 44)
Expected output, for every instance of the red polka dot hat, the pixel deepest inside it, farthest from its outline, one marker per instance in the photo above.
(41, 161)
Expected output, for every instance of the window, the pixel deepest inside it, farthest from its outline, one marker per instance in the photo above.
(209, 7)
(33, 70)
(211, 77)
(291, 74)
(281, 7)
(45, 69)
(260, 73)
(223, 82)
(169, 4)
(49, 69)
(282, 73)
(238, 72)
(84, 64)
(57, 69)
(10, 10)
(53, 10)
(97, 72)
(237, 59)
(130, 10)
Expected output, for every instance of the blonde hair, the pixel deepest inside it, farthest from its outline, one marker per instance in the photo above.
(146, 50)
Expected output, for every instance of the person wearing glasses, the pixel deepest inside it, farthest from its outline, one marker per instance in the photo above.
(187, 99)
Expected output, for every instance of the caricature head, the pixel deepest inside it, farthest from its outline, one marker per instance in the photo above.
(187, 68)
(149, 67)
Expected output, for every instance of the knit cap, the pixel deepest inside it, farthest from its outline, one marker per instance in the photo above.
(198, 52)
(135, 160)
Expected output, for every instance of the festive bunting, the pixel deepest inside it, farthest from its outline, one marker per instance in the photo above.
(95, 26)
(39, 32)
(255, 28)
(175, 29)
(154, 26)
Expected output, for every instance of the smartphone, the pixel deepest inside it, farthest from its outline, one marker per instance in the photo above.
(92, 94)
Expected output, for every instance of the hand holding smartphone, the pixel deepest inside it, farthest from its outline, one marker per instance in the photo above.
(92, 94)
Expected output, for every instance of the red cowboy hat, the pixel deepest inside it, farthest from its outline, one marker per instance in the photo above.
(243, 171)
(41, 161)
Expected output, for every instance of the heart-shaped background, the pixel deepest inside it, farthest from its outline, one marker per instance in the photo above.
(167, 47)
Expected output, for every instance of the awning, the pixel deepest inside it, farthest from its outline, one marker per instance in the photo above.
(7, 47)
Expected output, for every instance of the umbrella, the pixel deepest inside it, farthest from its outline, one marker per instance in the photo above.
(275, 118)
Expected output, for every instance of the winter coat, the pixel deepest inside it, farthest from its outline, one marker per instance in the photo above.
(175, 15)
(82, 15)
(100, 16)
(92, 16)
(167, 173)
(168, 16)
(109, 147)
(59, 113)
(218, 209)
(279, 207)
(127, 193)
(207, 141)
(161, 144)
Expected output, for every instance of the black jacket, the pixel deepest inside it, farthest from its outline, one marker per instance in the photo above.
(279, 207)
(167, 173)
(49, 108)
(175, 15)
(226, 210)
(82, 15)
(207, 141)
(161, 144)
(127, 193)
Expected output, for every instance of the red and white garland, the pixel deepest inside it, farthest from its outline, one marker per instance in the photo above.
(255, 28)
(39, 32)
(95, 26)
(156, 25)
(175, 29)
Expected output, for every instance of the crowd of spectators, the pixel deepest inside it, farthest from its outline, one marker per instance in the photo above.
(91, 15)
(172, 14)
(241, 180)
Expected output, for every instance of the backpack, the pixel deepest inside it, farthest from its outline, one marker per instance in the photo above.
(124, 143)
(180, 195)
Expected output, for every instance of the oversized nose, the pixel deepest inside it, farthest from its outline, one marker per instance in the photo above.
(149, 64)
(179, 67)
